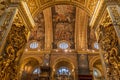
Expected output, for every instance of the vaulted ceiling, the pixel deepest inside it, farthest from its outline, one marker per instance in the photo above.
(58, 14)
(36, 6)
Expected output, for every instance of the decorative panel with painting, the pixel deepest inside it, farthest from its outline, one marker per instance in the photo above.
(38, 32)
(63, 24)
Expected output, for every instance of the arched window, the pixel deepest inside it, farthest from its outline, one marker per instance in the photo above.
(96, 73)
(63, 71)
(96, 45)
(33, 45)
(36, 71)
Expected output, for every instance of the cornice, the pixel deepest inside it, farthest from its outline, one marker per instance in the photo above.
(24, 11)
(102, 11)
(99, 16)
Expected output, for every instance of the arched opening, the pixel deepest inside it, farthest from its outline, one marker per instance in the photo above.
(30, 69)
(97, 74)
(63, 70)
(97, 70)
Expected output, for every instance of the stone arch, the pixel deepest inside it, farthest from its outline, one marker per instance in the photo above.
(93, 60)
(26, 60)
(47, 5)
(63, 60)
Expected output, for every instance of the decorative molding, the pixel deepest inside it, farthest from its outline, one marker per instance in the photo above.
(97, 11)
(33, 5)
(24, 11)
(6, 25)
(92, 4)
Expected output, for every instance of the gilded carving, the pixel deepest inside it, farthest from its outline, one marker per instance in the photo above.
(45, 1)
(115, 13)
(108, 42)
(116, 16)
(32, 4)
(92, 4)
(9, 59)
(81, 1)
(3, 28)
(2, 6)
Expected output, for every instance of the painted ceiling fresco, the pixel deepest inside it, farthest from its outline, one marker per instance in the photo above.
(63, 24)
(38, 32)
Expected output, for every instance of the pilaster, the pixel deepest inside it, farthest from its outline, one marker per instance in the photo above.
(114, 12)
(81, 29)
(6, 23)
(48, 28)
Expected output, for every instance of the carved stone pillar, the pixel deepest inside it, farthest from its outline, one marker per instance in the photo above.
(15, 42)
(3, 6)
(5, 26)
(109, 49)
(13, 34)
(114, 12)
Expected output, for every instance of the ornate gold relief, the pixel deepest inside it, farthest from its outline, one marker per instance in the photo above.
(45, 1)
(106, 21)
(15, 41)
(80, 1)
(3, 28)
(116, 15)
(2, 6)
(108, 42)
(92, 4)
(33, 5)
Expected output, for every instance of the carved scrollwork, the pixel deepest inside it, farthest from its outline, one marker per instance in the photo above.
(112, 64)
(15, 41)
(108, 42)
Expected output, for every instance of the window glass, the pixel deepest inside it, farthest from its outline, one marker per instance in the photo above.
(36, 71)
(33, 45)
(63, 45)
(96, 45)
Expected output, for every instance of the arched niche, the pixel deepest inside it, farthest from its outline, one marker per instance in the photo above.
(27, 67)
(66, 67)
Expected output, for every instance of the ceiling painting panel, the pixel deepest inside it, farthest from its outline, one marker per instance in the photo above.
(38, 32)
(63, 24)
